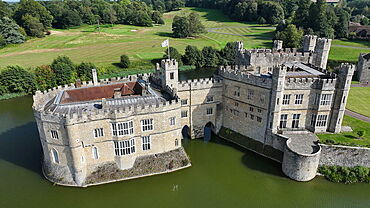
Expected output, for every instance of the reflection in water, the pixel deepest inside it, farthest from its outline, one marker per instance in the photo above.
(229, 175)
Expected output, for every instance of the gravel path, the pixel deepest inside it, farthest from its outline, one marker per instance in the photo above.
(355, 47)
(357, 115)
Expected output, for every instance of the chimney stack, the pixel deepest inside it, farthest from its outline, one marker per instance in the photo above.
(78, 83)
(95, 77)
(117, 93)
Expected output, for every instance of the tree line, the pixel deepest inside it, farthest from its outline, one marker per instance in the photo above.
(30, 18)
(16, 79)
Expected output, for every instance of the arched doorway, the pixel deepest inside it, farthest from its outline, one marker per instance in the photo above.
(208, 128)
(185, 132)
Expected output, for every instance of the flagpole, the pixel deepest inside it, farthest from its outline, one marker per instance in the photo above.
(168, 48)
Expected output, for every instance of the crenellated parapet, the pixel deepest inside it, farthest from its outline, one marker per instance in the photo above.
(199, 84)
(236, 73)
(310, 83)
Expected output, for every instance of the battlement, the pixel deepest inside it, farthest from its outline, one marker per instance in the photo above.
(169, 64)
(310, 83)
(235, 73)
(291, 52)
(199, 84)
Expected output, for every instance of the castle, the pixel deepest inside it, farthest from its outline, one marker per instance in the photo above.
(363, 68)
(108, 130)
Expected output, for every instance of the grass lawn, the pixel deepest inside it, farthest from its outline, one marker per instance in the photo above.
(350, 138)
(348, 54)
(359, 100)
(141, 44)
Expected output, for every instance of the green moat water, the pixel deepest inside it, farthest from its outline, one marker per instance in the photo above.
(222, 175)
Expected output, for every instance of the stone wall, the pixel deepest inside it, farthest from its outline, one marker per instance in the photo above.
(344, 156)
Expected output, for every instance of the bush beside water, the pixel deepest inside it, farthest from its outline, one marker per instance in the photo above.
(346, 175)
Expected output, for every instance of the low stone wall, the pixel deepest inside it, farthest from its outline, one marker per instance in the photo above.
(109, 172)
(299, 166)
(344, 156)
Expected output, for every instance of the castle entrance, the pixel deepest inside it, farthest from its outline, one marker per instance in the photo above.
(185, 132)
(208, 128)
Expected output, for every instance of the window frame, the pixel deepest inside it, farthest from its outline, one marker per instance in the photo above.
(145, 127)
(146, 143)
(119, 128)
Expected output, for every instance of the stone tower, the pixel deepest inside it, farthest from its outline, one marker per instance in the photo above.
(168, 73)
(321, 55)
(278, 44)
(343, 85)
(363, 68)
(309, 43)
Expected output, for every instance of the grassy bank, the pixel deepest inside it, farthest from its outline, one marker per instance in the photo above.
(346, 175)
(348, 53)
(11, 95)
(359, 100)
(141, 44)
(349, 138)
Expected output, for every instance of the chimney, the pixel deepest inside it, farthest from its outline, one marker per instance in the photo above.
(95, 77)
(78, 83)
(117, 93)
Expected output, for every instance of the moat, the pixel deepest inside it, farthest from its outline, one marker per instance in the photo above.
(222, 175)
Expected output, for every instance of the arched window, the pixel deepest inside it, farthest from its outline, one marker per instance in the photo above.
(55, 156)
(95, 153)
(176, 142)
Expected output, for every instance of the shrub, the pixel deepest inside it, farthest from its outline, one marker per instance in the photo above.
(361, 133)
(17, 80)
(125, 61)
(345, 175)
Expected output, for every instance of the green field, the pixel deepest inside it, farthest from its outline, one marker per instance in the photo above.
(347, 53)
(349, 138)
(359, 100)
(142, 44)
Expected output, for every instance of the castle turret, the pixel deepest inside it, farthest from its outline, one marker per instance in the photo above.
(321, 55)
(168, 73)
(363, 68)
(343, 84)
(309, 43)
(278, 44)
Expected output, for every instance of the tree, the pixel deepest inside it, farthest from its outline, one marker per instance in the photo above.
(210, 56)
(10, 32)
(341, 28)
(302, 15)
(2, 41)
(17, 80)
(69, 18)
(64, 70)
(84, 72)
(187, 26)
(34, 9)
(228, 53)
(272, 12)
(157, 17)
(125, 61)
(4, 9)
(193, 56)
(361, 133)
(319, 21)
(33, 26)
(291, 36)
(44, 78)
(174, 53)
(180, 27)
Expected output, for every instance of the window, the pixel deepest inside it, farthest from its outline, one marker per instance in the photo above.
(313, 120)
(246, 115)
(146, 142)
(172, 75)
(147, 124)
(344, 99)
(98, 132)
(55, 156)
(250, 94)
(54, 134)
(236, 112)
(283, 120)
(286, 99)
(317, 99)
(298, 99)
(123, 128)
(209, 111)
(251, 109)
(124, 147)
(95, 153)
(262, 99)
(259, 119)
(184, 102)
(237, 92)
(172, 121)
(259, 110)
(236, 104)
(184, 114)
(176, 142)
(321, 120)
(209, 99)
(325, 99)
(252, 117)
(295, 121)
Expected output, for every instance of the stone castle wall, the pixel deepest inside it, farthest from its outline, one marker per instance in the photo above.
(344, 156)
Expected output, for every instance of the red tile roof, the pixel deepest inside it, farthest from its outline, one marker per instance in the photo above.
(99, 92)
